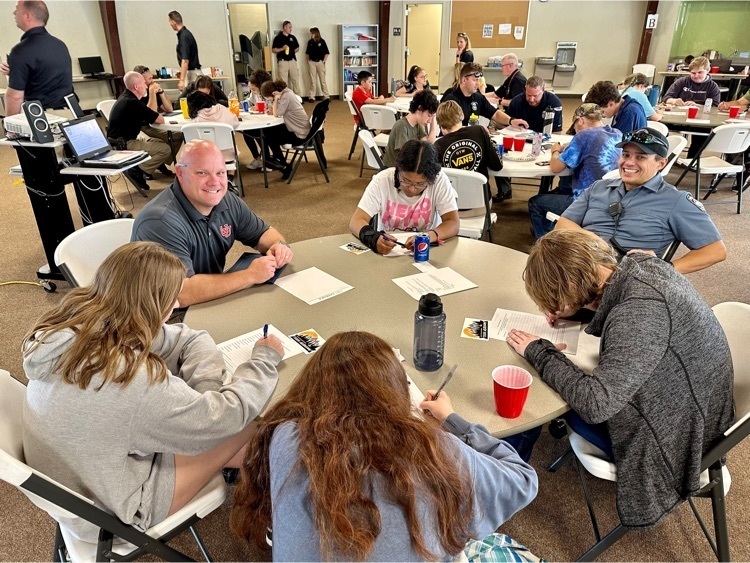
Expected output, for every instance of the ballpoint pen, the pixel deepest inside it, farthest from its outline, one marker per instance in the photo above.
(265, 330)
(386, 237)
(447, 379)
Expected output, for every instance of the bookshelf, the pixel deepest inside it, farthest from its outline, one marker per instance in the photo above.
(359, 51)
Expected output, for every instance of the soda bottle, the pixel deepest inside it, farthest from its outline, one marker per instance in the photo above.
(234, 103)
(429, 333)
(473, 119)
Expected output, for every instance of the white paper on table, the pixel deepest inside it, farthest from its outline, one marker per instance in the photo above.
(442, 281)
(424, 266)
(515, 132)
(240, 349)
(416, 396)
(564, 331)
(688, 120)
(399, 250)
(312, 285)
(735, 120)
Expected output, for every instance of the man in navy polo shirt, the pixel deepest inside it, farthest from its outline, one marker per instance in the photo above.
(529, 107)
(641, 212)
(199, 220)
(38, 67)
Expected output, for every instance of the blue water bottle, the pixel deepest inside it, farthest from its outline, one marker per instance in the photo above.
(429, 333)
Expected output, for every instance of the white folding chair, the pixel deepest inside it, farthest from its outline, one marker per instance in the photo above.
(381, 118)
(359, 123)
(473, 192)
(117, 540)
(715, 479)
(677, 144)
(659, 126)
(105, 108)
(80, 253)
(733, 138)
(222, 135)
(371, 151)
(646, 69)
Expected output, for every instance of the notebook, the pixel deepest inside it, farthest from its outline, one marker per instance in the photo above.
(91, 147)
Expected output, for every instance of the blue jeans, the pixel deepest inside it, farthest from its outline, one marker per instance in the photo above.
(539, 205)
(597, 434)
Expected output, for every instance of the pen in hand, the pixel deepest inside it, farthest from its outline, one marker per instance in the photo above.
(391, 239)
(265, 330)
(447, 379)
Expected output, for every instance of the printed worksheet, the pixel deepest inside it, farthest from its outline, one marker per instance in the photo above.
(312, 285)
(441, 281)
(399, 250)
(564, 331)
(240, 349)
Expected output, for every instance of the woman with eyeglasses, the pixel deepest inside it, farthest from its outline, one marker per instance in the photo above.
(415, 196)
(415, 82)
(344, 469)
(463, 52)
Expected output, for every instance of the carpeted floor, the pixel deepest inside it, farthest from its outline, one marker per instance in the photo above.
(554, 526)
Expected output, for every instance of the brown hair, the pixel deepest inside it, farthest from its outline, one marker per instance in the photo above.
(259, 76)
(175, 16)
(315, 33)
(116, 318)
(602, 93)
(205, 81)
(449, 114)
(269, 87)
(535, 82)
(700, 63)
(468, 41)
(37, 9)
(351, 394)
(563, 269)
(470, 68)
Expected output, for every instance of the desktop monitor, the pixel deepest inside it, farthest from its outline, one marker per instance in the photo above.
(91, 65)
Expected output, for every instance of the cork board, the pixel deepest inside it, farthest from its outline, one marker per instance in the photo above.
(472, 17)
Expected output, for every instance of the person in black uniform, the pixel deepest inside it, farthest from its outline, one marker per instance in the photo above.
(39, 66)
(317, 54)
(285, 46)
(463, 51)
(515, 81)
(187, 51)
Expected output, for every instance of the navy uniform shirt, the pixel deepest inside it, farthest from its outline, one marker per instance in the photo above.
(519, 108)
(187, 49)
(40, 67)
(201, 242)
(515, 84)
(476, 104)
(316, 50)
(654, 215)
(278, 43)
(127, 116)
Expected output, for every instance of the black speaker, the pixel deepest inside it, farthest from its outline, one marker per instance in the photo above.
(40, 129)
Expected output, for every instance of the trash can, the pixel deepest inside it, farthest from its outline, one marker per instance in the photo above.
(545, 67)
(564, 75)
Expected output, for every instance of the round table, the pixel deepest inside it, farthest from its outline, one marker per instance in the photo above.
(248, 122)
(378, 305)
(676, 119)
(530, 168)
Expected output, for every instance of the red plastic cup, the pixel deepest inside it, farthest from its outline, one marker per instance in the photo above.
(692, 112)
(508, 143)
(714, 70)
(734, 111)
(518, 144)
(260, 105)
(511, 387)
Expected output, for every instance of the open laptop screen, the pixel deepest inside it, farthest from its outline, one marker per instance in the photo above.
(85, 137)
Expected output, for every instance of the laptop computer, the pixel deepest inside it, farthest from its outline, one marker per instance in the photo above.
(91, 147)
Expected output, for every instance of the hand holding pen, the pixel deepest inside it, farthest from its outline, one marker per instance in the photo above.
(386, 243)
(271, 341)
(438, 403)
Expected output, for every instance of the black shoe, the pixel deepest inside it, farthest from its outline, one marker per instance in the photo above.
(164, 170)
(147, 176)
(135, 175)
(286, 172)
(231, 475)
(275, 163)
(501, 197)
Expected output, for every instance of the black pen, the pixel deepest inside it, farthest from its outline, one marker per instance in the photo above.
(386, 237)
(265, 330)
(447, 379)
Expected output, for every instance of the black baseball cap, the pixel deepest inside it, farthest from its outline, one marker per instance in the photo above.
(650, 141)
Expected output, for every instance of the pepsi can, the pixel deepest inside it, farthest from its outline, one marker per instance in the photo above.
(245, 106)
(500, 149)
(422, 247)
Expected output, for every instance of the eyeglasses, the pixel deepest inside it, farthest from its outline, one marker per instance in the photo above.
(643, 136)
(408, 183)
(507, 64)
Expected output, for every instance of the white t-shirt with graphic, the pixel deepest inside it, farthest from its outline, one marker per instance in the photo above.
(396, 211)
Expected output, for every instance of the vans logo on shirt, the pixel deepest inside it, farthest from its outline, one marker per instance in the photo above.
(226, 230)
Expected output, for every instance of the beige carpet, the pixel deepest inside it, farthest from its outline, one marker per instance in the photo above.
(555, 525)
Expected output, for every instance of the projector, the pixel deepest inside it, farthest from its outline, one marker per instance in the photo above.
(19, 125)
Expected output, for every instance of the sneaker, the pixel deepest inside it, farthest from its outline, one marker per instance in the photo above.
(255, 164)
(311, 100)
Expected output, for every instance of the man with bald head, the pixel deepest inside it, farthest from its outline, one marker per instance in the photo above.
(38, 67)
(127, 117)
(199, 220)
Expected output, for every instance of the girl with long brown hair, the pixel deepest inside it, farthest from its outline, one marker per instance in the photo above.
(283, 102)
(343, 468)
(131, 412)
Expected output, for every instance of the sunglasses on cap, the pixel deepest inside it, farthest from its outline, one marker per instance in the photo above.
(643, 136)
(474, 74)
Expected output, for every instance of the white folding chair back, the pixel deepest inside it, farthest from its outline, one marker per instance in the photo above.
(80, 253)
(735, 319)
(348, 96)
(105, 108)
(677, 144)
(472, 192)
(373, 155)
(659, 126)
(647, 69)
(221, 134)
(379, 117)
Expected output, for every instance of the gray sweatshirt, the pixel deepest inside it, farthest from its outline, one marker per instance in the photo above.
(501, 484)
(116, 446)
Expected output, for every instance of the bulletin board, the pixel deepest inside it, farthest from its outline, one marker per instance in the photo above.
(471, 17)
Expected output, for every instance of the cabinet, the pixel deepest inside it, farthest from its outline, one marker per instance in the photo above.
(359, 51)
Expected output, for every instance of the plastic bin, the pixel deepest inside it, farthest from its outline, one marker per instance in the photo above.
(564, 75)
(545, 67)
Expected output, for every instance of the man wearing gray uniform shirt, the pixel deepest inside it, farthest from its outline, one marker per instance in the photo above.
(640, 211)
